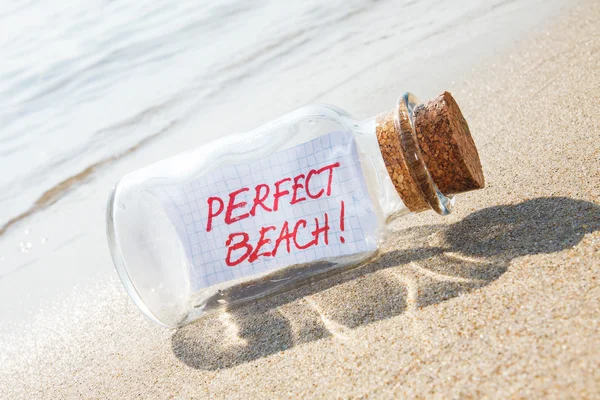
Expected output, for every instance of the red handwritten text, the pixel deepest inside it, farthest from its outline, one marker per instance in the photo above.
(269, 198)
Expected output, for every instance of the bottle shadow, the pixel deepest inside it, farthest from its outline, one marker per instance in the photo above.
(431, 264)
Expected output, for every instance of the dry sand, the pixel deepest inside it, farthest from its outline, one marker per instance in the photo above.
(501, 299)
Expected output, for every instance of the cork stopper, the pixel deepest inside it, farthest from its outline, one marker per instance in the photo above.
(447, 146)
(426, 148)
(395, 162)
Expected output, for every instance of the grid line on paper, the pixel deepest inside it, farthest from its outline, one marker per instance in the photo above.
(207, 249)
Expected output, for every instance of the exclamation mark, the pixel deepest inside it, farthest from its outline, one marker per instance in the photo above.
(342, 222)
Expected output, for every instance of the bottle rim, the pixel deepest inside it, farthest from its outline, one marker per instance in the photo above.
(417, 167)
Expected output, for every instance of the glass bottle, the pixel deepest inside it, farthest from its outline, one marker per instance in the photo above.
(308, 193)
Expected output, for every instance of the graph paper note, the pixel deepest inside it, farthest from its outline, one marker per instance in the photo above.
(333, 197)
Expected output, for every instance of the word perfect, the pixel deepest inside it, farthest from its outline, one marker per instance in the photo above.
(267, 198)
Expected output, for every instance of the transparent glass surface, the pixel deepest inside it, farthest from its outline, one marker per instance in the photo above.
(146, 242)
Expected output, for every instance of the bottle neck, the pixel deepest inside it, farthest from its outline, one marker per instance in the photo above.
(404, 160)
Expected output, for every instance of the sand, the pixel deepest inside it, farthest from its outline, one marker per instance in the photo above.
(500, 299)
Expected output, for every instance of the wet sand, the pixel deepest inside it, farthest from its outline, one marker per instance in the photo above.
(500, 299)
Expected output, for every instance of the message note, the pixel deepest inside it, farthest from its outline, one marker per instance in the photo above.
(299, 205)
